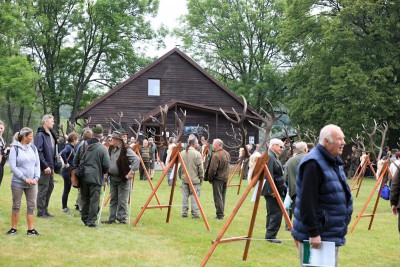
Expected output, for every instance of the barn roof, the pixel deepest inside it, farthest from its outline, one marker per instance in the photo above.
(194, 105)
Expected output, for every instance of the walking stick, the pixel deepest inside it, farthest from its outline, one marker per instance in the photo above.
(104, 195)
(130, 198)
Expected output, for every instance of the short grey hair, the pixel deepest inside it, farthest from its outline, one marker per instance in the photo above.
(219, 142)
(326, 133)
(46, 118)
(301, 146)
(275, 141)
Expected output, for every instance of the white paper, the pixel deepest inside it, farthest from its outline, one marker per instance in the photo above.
(324, 256)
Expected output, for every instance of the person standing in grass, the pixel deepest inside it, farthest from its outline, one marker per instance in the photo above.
(25, 167)
(217, 175)
(3, 151)
(93, 156)
(123, 164)
(324, 203)
(194, 165)
(67, 155)
(395, 195)
(46, 143)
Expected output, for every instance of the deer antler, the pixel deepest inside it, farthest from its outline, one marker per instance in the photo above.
(371, 137)
(139, 123)
(206, 129)
(268, 123)
(312, 136)
(383, 128)
(114, 124)
(237, 139)
(298, 132)
(240, 122)
(181, 125)
(163, 112)
(359, 141)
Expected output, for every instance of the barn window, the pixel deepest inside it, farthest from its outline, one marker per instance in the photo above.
(154, 87)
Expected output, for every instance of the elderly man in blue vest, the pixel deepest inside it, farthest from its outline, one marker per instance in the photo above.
(324, 203)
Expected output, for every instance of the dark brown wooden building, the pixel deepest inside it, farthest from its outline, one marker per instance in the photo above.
(176, 80)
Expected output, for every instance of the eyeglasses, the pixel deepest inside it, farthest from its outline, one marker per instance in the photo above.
(279, 146)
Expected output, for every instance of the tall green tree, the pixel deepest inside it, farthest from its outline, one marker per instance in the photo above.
(78, 43)
(17, 76)
(347, 63)
(237, 40)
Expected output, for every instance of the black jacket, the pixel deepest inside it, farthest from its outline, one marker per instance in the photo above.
(46, 153)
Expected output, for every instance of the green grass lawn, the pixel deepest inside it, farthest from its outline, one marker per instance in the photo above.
(65, 241)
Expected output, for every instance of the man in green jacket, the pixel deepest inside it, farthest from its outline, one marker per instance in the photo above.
(194, 165)
(217, 174)
(93, 156)
(291, 172)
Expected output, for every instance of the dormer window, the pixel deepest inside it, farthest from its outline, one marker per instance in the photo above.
(154, 87)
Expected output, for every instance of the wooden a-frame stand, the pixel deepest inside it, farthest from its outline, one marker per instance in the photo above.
(135, 149)
(380, 183)
(176, 158)
(242, 164)
(360, 173)
(260, 171)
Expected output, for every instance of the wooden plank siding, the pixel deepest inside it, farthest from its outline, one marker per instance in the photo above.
(182, 81)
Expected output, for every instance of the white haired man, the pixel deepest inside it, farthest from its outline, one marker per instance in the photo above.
(323, 203)
(274, 213)
(291, 172)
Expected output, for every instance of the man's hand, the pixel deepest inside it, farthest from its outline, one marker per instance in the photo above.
(129, 176)
(394, 210)
(315, 242)
(47, 170)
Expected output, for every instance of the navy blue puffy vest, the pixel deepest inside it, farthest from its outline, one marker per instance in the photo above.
(335, 203)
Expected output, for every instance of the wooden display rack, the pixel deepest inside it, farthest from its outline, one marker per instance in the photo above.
(379, 183)
(260, 171)
(360, 173)
(242, 164)
(176, 158)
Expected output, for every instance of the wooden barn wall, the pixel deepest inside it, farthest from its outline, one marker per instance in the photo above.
(178, 80)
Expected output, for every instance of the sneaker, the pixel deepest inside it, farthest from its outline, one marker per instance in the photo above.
(67, 210)
(122, 221)
(195, 217)
(12, 231)
(218, 217)
(184, 215)
(108, 222)
(91, 225)
(32, 232)
(48, 215)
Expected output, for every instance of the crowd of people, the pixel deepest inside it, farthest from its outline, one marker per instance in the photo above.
(313, 180)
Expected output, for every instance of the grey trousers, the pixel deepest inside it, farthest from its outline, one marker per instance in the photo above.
(45, 188)
(90, 200)
(274, 217)
(119, 191)
(219, 193)
(301, 249)
(30, 195)
(185, 196)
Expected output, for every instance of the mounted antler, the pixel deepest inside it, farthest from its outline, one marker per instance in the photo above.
(312, 136)
(382, 128)
(139, 123)
(114, 124)
(268, 123)
(163, 112)
(181, 125)
(206, 130)
(359, 141)
(237, 139)
(85, 122)
(298, 132)
(371, 137)
(240, 122)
